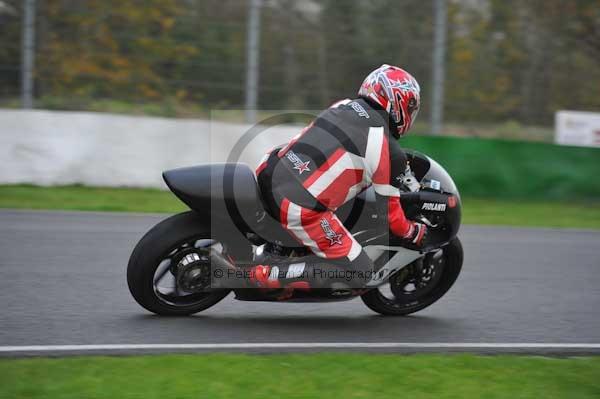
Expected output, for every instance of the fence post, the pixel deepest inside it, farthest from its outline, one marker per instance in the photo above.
(438, 67)
(27, 54)
(252, 60)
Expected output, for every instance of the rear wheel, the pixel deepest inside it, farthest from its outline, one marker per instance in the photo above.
(151, 273)
(419, 284)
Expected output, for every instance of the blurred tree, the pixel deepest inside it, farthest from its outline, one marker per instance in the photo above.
(486, 57)
(10, 47)
(513, 60)
(507, 60)
(213, 74)
(571, 38)
(100, 48)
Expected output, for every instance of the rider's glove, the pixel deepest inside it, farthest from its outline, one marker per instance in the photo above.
(416, 234)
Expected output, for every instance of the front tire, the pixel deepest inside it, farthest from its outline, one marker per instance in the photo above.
(159, 245)
(401, 305)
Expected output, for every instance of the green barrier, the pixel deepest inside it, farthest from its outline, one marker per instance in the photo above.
(513, 169)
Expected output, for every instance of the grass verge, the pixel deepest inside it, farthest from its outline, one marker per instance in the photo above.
(531, 213)
(80, 198)
(306, 376)
(476, 210)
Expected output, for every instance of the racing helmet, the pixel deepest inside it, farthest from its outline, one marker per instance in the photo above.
(396, 91)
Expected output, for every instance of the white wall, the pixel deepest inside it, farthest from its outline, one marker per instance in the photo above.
(50, 148)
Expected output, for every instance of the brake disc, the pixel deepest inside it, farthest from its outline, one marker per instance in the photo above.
(418, 278)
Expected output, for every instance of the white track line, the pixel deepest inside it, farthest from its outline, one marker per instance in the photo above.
(299, 345)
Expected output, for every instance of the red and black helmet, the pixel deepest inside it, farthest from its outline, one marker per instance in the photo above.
(397, 91)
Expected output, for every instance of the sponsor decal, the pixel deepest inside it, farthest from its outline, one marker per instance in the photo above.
(434, 206)
(295, 270)
(435, 185)
(274, 275)
(452, 201)
(299, 165)
(359, 109)
(341, 293)
(407, 85)
(333, 237)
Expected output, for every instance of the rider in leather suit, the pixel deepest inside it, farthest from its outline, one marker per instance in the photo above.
(350, 146)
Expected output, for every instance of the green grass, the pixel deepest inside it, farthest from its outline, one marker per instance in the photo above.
(89, 199)
(301, 376)
(475, 210)
(531, 213)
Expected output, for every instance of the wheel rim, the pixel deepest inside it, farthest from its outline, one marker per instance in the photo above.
(413, 284)
(164, 281)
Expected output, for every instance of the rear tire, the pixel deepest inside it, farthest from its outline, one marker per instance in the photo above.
(155, 246)
(376, 301)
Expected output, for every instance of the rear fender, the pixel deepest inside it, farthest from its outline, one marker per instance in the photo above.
(225, 194)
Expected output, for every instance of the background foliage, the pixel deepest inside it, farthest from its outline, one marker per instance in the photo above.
(507, 60)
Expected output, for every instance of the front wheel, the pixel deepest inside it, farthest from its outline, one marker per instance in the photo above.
(151, 270)
(419, 284)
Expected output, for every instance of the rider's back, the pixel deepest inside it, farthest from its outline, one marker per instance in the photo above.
(335, 157)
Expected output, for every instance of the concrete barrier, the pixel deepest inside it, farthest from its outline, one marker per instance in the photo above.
(54, 148)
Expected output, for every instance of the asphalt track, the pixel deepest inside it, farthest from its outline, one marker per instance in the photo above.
(63, 290)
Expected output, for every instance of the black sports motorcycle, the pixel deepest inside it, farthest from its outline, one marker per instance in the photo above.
(228, 223)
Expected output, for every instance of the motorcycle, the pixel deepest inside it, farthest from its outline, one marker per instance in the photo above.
(228, 223)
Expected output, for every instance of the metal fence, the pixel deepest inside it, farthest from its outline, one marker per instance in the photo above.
(486, 67)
